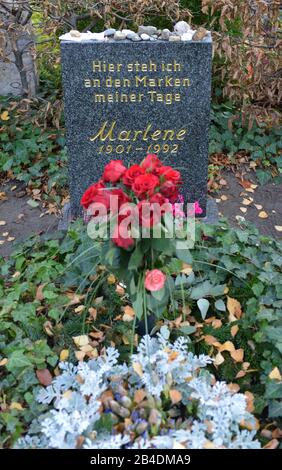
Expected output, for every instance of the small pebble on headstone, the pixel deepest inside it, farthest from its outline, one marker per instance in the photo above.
(133, 36)
(74, 33)
(145, 37)
(181, 28)
(188, 36)
(119, 36)
(174, 38)
(200, 34)
(165, 34)
(109, 32)
(150, 30)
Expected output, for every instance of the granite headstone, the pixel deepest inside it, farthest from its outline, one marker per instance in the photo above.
(126, 99)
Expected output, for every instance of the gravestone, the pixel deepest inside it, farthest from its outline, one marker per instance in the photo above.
(126, 99)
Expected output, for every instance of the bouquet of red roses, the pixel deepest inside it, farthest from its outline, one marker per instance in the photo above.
(136, 203)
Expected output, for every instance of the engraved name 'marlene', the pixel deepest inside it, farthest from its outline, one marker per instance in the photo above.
(109, 132)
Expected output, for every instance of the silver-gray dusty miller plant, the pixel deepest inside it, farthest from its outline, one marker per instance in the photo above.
(157, 367)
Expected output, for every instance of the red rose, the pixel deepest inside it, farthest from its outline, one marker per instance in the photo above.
(151, 162)
(149, 214)
(122, 231)
(91, 193)
(154, 280)
(118, 200)
(113, 171)
(144, 185)
(131, 174)
(164, 203)
(169, 190)
(168, 173)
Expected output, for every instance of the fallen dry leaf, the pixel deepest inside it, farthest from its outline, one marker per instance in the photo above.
(237, 355)
(278, 228)
(250, 401)
(258, 207)
(93, 312)
(79, 355)
(39, 292)
(139, 396)
(64, 354)
(275, 374)
(44, 377)
(247, 202)
(128, 313)
(243, 209)
(216, 324)
(227, 346)
(234, 309)
(234, 330)
(219, 359)
(187, 269)
(234, 388)
(251, 426)
(175, 396)
(137, 368)
(16, 406)
(81, 340)
(3, 222)
(5, 116)
(224, 197)
(240, 374)
(273, 444)
(3, 362)
(79, 309)
(263, 215)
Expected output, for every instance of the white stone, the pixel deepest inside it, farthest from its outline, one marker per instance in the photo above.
(181, 28)
(83, 37)
(145, 37)
(188, 36)
(119, 36)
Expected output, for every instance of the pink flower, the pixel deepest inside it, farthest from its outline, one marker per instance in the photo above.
(155, 280)
(198, 209)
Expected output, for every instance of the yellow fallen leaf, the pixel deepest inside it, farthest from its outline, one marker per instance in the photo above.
(219, 359)
(16, 406)
(111, 279)
(263, 215)
(237, 355)
(79, 355)
(81, 340)
(223, 197)
(243, 209)
(86, 348)
(273, 444)
(137, 368)
(258, 206)
(210, 340)
(175, 396)
(278, 228)
(227, 346)
(216, 324)
(234, 388)
(275, 374)
(129, 313)
(250, 401)
(139, 396)
(252, 425)
(234, 330)
(5, 116)
(64, 354)
(250, 190)
(125, 340)
(240, 374)
(234, 309)
(93, 312)
(79, 309)
(187, 269)
(245, 365)
(3, 362)
(247, 202)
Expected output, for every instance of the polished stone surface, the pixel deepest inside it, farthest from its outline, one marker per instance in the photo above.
(151, 97)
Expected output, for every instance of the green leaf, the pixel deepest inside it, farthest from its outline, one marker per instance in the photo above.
(203, 305)
(220, 305)
(273, 390)
(275, 409)
(18, 360)
(136, 258)
(188, 330)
